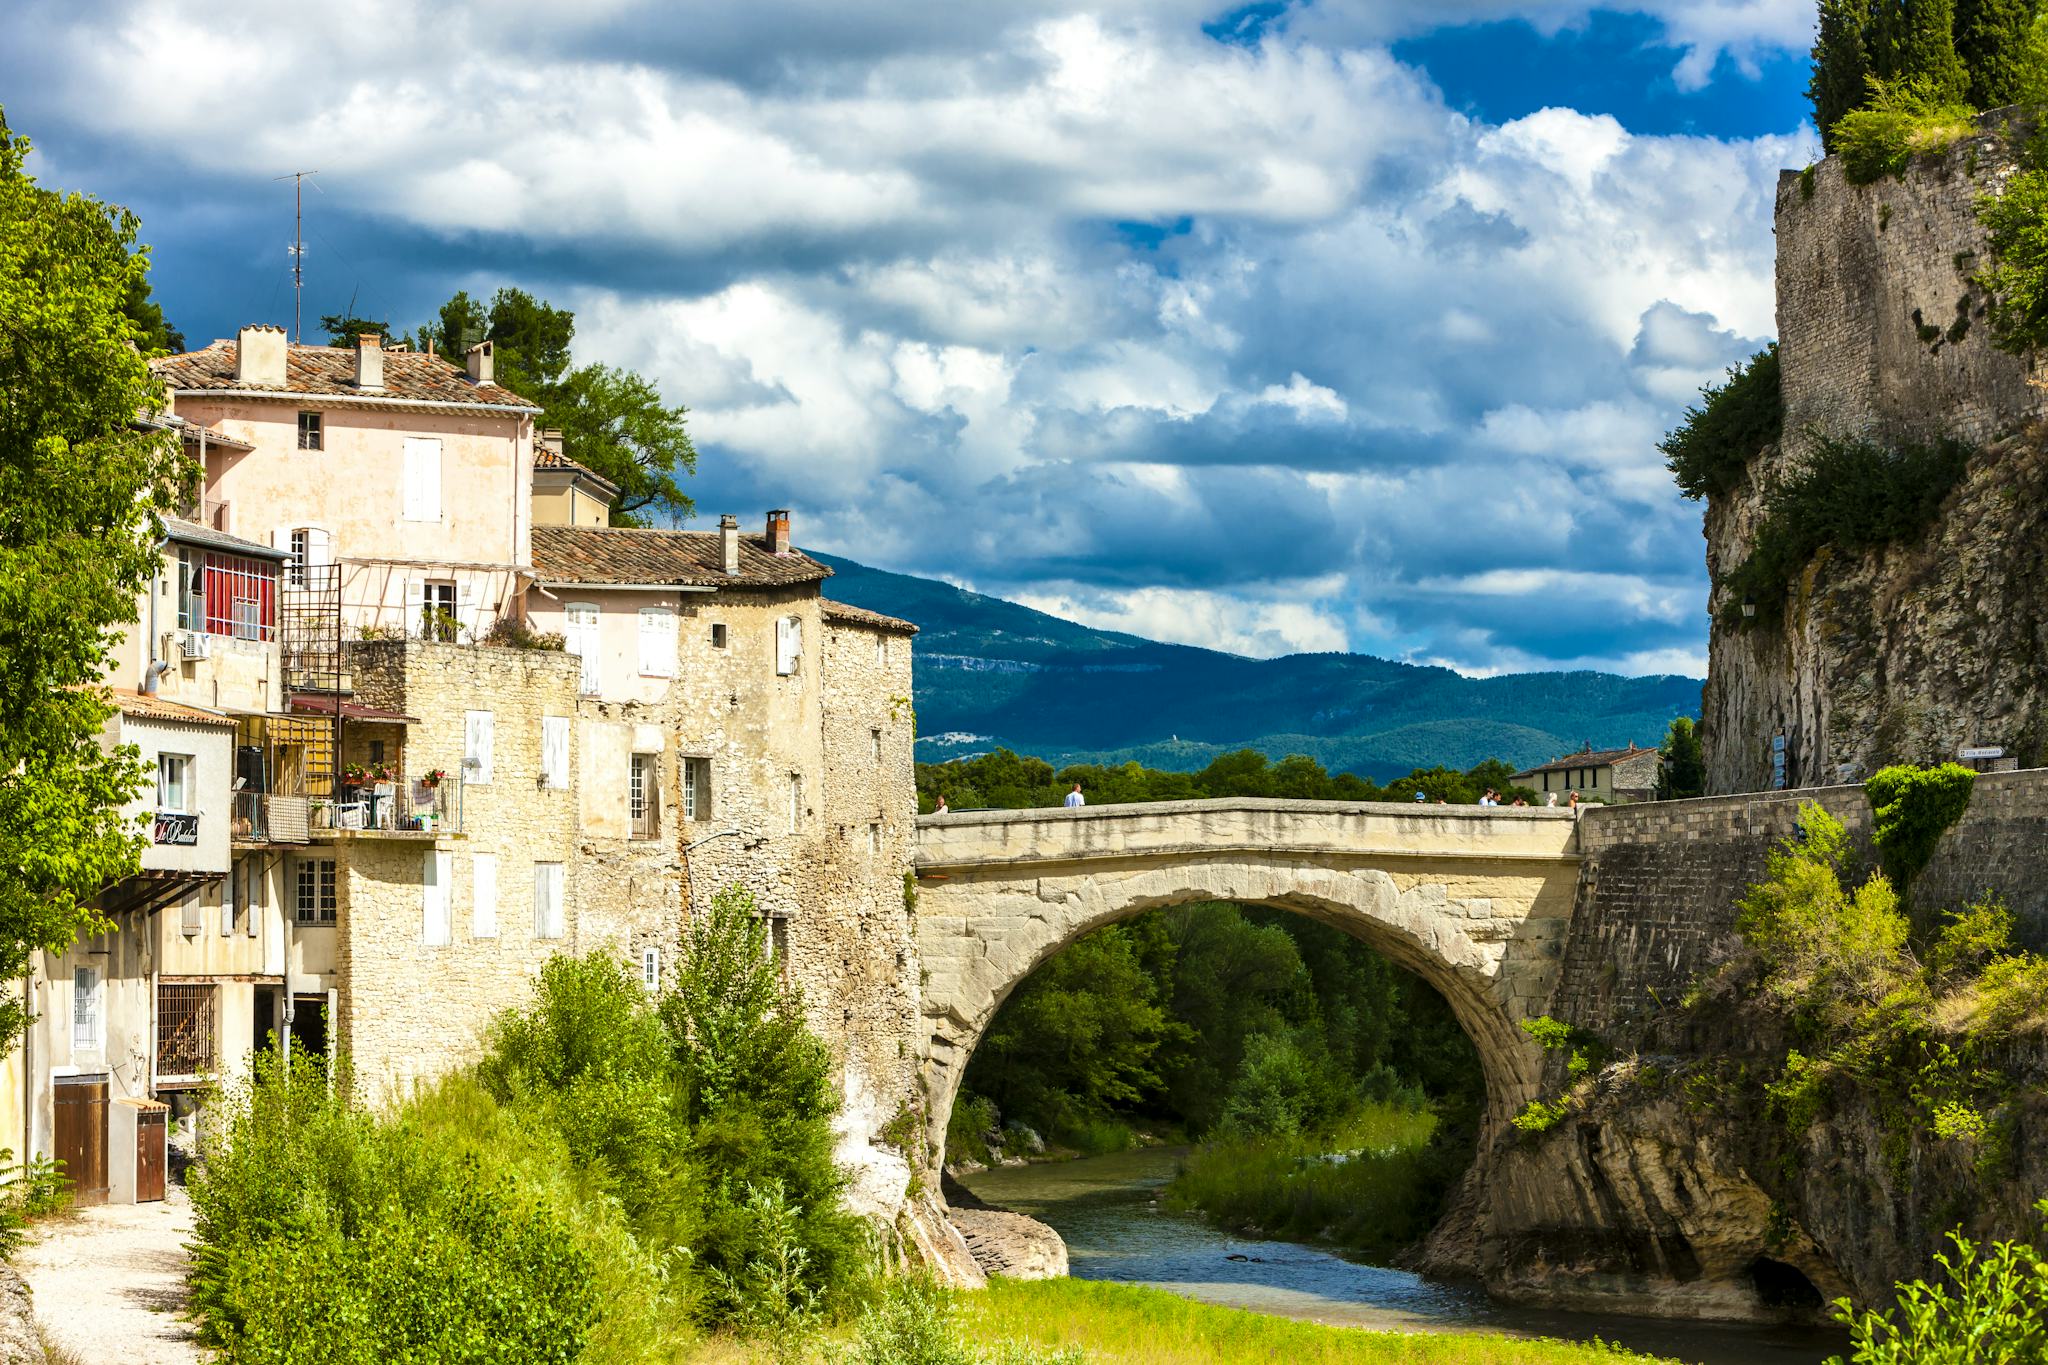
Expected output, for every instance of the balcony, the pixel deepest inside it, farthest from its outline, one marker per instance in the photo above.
(267, 818)
(408, 808)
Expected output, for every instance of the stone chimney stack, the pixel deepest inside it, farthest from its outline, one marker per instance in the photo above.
(370, 362)
(259, 357)
(729, 544)
(778, 531)
(481, 363)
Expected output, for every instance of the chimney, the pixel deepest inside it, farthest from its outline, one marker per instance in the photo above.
(778, 531)
(480, 363)
(370, 362)
(259, 357)
(729, 544)
(549, 439)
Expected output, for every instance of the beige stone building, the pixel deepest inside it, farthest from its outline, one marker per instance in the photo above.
(1606, 774)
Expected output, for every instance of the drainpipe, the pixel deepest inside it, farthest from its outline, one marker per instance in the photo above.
(28, 1063)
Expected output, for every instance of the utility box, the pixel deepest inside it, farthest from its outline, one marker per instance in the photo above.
(138, 1151)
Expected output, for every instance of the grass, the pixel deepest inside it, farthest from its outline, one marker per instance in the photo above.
(1381, 1191)
(1122, 1324)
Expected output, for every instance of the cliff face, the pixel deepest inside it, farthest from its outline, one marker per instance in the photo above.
(1911, 652)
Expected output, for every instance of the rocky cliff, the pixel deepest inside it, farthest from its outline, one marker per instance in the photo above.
(1914, 651)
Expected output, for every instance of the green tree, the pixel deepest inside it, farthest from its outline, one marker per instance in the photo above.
(615, 422)
(1683, 771)
(1926, 57)
(460, 324)
(1841, 64)
(81, 484)
(1993, 40)
(343, 328)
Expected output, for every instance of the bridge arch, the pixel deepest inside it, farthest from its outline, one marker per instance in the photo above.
(1475, 901)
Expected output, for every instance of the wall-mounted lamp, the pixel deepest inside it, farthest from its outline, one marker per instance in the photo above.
(1748, 607)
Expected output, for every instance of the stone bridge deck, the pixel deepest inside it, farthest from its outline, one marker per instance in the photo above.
(1475, 900)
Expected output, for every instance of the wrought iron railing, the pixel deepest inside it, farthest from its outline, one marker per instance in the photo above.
(403, 806)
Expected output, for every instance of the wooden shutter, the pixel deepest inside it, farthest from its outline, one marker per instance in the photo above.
(547, 900)
(483, 895)
(465, 612)
(657, 642)
(479, 731)
(422, 478)
(434, 896)
(554, 752)
(789, 644)
(580, 638)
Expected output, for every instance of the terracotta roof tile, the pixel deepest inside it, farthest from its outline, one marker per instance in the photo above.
(851, 615)
(555, 459)
(412, 376)
(156, 708)
(576, 554)
(1595, 758)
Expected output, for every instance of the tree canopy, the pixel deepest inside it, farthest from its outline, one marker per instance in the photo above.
(1978, 54)
(81, 483)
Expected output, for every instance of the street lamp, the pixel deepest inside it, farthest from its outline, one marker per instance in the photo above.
(1748, 607)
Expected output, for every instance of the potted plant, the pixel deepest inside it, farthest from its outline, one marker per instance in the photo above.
(323, 816)
(433, 777)
(354, 774)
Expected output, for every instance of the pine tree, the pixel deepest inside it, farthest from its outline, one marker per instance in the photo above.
(1991, 38)
(1841, 64)
(1928, 62)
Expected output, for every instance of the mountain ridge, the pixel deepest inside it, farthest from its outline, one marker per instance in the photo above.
(993, 673)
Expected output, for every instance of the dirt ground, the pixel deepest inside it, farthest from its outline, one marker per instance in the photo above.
(109, 1283)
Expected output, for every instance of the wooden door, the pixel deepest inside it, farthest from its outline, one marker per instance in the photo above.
(150, 1132)
(82, 1136)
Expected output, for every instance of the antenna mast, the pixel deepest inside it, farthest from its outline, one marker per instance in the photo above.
(297, 250)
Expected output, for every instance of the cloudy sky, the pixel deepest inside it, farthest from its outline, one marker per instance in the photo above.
(1304, 325)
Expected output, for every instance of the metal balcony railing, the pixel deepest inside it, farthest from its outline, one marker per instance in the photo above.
(407, 806)
(267, 818)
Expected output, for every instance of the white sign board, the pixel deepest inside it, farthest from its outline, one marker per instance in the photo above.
(1984, 751)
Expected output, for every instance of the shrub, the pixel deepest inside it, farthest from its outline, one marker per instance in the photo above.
(1852, 494)
(29, 1191)
(1973, 938)
(1911, 809)
(1899, 122)
(967, 1132)
(512, 634)
(1986, 1305)
(1540, 1117)
(2016, 222)
(2013, 994)
(1710, 450)
(1818, 942)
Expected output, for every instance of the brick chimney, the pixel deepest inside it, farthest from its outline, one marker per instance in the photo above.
(370, 362)
(259, 357)
(549, 439)
(481, 363)
(778, 531)
(729, 544)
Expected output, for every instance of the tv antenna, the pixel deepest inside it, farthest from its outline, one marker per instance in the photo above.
(297, 250)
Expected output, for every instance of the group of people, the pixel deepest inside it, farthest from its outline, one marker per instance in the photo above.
(1492, 798)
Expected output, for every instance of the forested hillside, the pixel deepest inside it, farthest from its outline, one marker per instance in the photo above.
(995, 674)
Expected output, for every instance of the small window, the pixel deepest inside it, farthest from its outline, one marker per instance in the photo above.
(422, 490)
(316, 900)
(875, 839)
(190, 914)
(87, 1007)
(309, 431)
(479, 731)
(696, 789)
(434, 878)
(643, 795)
(377, 752)
(882, 650)
(650, 968)
(171, 793)
(295, 572)
(718, 635)
(547, 900)
(796, 802)
(875, 736)
(191, 589)
(437, 612)
(778, 939)
(228, 908)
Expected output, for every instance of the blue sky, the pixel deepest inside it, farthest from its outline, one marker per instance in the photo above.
(1290, 326)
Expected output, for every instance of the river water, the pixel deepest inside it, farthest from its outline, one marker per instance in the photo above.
(1106, 1209)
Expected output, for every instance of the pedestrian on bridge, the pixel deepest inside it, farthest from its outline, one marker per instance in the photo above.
(1074, 798)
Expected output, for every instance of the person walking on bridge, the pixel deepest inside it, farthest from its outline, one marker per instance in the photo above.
(1074, 798)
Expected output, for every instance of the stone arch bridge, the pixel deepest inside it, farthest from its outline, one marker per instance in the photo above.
(1475, 900)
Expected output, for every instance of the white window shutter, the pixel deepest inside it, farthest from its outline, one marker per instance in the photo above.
(422, 478)
(319, 546)
(465, 612)
(580, 638)
(483, 895)
(547, 900)
(657, 642)
(479, 731)
(788, 644)
(554, 752)
(434, 896)
(227, 900)
(414, 610)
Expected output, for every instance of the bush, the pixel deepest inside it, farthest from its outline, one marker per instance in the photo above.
(1711, 448)
(2016, 221)
(1911, 809)
(511, 634)
(1853, 494)
(1899, 122)
(32, 1190)
(1986, 1305)
(1819, 943)
(967, 1131)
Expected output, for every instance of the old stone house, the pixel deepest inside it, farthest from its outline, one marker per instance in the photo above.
(1606, 774)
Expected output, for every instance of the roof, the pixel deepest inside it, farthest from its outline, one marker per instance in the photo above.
(596, 556)
(555, 459)
(317, 705)
(213, 436)
(848, 614)
(148, 707)
(1589, 758)
(192, 533)
(409, 376)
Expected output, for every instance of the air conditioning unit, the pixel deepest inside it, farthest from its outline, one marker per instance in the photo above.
(195, 644)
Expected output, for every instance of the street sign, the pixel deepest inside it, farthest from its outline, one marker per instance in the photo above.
(1984, 751)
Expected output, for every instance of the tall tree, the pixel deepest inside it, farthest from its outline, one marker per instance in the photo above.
(530, 339)
(1841, 64)
(1927, 59)
(1683, 771)
(1992, 38)
(81, 484)
(615, 422)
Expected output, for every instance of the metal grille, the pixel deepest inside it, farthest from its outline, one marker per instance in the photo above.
(184, 1027)
(240, 596)
(309, 622)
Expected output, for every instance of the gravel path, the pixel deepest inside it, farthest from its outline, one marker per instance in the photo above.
(109, 1283)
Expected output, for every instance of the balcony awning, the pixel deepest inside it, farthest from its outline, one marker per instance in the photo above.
(316, 705)
(151, 889)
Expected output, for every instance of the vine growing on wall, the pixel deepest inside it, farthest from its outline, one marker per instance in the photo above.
(1911, 809)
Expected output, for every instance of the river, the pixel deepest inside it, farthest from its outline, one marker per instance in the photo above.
(1106, 1209)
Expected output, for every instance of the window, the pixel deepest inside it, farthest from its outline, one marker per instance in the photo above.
(643, 795)
(437, 618)
(377, 752)
(796, 802)
(422, 478)
(434, 879)
(483, 895)
(190, 913)
(882, 650)
(87, 1007)
(227, 899)
(547, 900)
(789, 645)
(479, 736)
(309, 431)
(718, 635)
(875, 737)
(554, 752)
(299, 549)
(650, 968)
(191, 589)
(238, 597)
(657, 642)
(171, 793)
(579, 637)
(875, 839)
(310, 548)
(185, 1013)
(696, 789)
(315, 902)
(778, 939)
